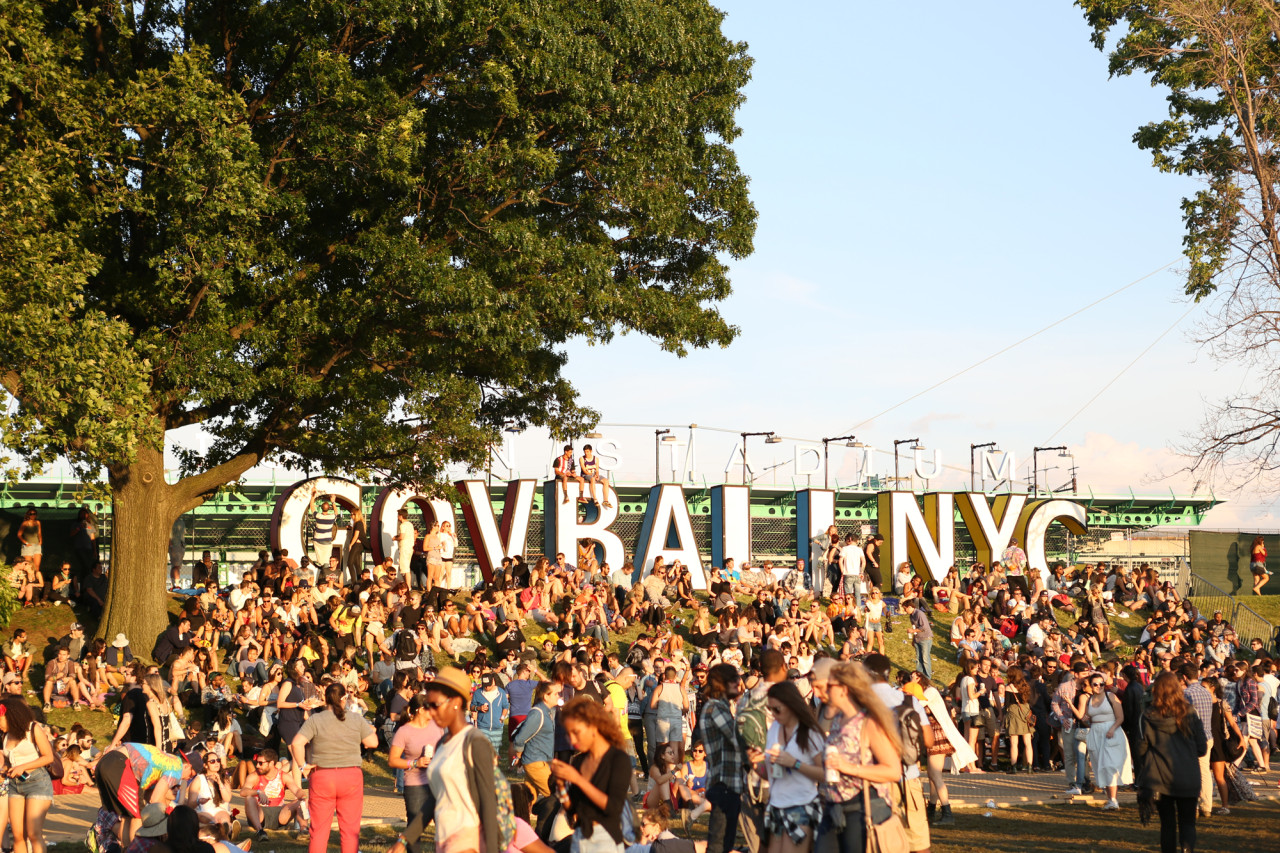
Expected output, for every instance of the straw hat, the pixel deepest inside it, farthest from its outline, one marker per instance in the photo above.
(155, 822)
(452, 680)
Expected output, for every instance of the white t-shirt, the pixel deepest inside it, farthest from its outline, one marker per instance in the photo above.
(237, 598)
(447, 545)
(790, 787)
(1035, 636)
(404, 540)
(447, 775)
(851, 559)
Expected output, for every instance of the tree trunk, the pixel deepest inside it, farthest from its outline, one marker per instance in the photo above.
(143, 510)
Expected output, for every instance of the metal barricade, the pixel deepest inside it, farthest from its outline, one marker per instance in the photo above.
(1209, 597)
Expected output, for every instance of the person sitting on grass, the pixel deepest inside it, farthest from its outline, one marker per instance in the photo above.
(60, 682)
(264, 793)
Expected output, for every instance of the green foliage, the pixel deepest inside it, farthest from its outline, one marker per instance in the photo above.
(9, 603)
(1219, 61)
(352, 233)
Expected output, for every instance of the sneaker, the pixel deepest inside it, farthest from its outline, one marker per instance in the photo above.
(47, 707)
(1073, 791)
(1111, 806)
(1222, 810)
(261, 836)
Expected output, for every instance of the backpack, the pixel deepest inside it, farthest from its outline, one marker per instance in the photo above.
(542, 719)
(911, 731)
(501, 789)
(406, 645)
(753, 719)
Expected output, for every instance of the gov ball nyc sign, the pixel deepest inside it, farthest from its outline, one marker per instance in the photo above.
(922, 535)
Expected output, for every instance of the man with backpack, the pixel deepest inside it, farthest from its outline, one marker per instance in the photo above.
(722, 736)
(753, 723)
(917, 736)
(533, 743)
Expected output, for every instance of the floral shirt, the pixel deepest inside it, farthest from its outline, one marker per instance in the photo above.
(845, 738)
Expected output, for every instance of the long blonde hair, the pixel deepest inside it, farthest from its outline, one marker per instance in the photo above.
(156, 684)
(853, 677)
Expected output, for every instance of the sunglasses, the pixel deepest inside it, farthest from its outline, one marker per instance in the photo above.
(437, 705)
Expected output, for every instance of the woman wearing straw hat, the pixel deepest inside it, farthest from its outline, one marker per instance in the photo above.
(335, 774)
(462, 798)
(155, 824)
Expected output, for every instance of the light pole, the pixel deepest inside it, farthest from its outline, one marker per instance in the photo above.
(657, 436)
(915, 445)
(972, 449)
(825, 454)
(771, 439)
(1035, 473)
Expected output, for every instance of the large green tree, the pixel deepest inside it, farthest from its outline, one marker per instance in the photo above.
(1219, 60)
(353, 233)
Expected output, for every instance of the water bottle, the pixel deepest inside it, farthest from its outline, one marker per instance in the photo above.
(833, 775)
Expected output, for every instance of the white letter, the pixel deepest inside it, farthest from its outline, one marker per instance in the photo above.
(730, 524)
(1034, 523)
(561, 533)
(295, 502)
(803, 470)
(927, 540)
(990, 537)
(736, 459)
(491, 544)
(1004, 471)
(937, 465)
(815, 512)
(390, 501)
(666, 510)
(610, 457)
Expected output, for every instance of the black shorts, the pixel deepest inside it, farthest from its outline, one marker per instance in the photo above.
(117, 787)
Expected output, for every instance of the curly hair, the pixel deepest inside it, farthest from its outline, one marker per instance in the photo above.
(589, 712)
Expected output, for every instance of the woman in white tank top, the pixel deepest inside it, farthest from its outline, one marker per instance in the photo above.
(27, 756)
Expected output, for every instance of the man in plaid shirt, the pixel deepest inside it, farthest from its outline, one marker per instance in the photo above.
(1202, 703)
(726, 752)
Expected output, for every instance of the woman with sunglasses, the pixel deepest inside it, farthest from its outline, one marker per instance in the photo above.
(695, 770)
(862, 749)
(792, 760)
(1107, 745)
(208, 792)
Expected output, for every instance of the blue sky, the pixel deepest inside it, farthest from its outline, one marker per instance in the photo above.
(934, 182)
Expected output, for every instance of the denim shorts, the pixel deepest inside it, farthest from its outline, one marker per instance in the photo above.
(37, 786)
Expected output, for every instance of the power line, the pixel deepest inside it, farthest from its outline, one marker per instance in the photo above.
(1122, 372)
(1017, 343)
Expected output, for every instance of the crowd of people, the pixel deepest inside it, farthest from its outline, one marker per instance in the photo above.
(766, 704)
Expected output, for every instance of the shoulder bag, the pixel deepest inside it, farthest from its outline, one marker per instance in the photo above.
(888, 836)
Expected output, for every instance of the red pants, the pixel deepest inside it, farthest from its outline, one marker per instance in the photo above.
(341, 789)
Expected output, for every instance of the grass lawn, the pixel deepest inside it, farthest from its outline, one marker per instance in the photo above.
(1266, 606)
(1083, 829)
